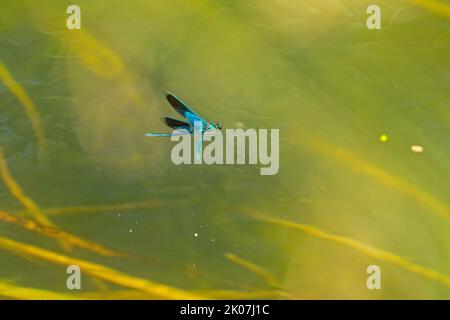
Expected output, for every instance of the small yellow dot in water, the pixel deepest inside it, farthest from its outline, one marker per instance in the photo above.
(384, 137)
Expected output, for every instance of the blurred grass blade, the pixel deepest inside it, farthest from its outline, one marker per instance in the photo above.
(356, 245)
(241, 295)
(352, 161)
(16, 191)
(261, 272)
(28, 203)
(102, 208)
(100, 271)
(214, 294)
(62, 236)
(104, 62)
(117, 295)
(16, 292)
(94, 55)
(30, 109)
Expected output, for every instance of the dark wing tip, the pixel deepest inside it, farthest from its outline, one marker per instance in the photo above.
(175, 124)
(168, 94)
(172, 99)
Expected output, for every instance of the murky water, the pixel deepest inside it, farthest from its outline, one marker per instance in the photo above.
(352, 190)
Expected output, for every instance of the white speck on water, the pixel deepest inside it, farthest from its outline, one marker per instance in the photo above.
(196, 234)
(416, 148)
(118, 214)
(212, 240)
(131, 230)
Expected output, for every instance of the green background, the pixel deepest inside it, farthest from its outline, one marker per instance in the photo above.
(310, 68)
